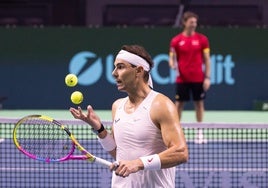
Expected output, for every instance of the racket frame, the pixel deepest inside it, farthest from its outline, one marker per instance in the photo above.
(75, 144)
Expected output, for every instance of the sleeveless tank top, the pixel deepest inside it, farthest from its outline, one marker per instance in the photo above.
(136, 136)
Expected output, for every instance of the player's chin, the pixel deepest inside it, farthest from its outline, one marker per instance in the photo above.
(120, 87)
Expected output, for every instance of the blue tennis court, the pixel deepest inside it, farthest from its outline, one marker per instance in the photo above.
(235, 155)
(211, 165)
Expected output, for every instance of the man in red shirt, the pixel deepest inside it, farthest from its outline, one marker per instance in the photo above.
(189, 54)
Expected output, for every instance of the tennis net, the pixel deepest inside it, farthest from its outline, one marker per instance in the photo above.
(229, 155)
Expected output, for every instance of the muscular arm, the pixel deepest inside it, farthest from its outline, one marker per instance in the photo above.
(164, 115)
(206, 56)
(172, 58)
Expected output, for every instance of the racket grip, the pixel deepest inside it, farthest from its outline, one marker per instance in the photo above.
(103, 162)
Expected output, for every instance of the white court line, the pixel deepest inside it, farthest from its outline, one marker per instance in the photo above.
(232, 140)
(224, 169)
(45, 169)
(178, 169)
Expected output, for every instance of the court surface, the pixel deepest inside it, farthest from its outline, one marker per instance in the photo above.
(221, 162)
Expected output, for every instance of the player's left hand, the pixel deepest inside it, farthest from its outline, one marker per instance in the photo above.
(90, 117)
(127, 167)
(206, 84)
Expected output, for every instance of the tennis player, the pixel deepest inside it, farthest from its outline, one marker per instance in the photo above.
(189, 54)
(147, 140)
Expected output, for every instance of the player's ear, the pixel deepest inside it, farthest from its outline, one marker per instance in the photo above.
(139, 69)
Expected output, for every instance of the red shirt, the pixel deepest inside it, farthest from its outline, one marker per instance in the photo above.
(189, 51)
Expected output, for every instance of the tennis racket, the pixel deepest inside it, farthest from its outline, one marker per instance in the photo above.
(45, 139)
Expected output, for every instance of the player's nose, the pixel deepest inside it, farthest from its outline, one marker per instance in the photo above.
(114, 73)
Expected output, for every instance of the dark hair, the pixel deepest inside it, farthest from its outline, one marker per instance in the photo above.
(140, 51)
(187, 15)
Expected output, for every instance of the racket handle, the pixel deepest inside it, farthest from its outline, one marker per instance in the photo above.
(103, 162)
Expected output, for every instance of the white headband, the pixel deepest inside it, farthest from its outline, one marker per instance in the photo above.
(136, 61)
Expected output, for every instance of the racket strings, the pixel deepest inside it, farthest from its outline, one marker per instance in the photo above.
(44, 139)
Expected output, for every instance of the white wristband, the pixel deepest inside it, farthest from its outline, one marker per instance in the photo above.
(107, 143)
(151, 162)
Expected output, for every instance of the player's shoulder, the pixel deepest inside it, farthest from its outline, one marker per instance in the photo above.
(117, 102)
(177, 37)
(200, 35)
(161, 101)
(162, 106)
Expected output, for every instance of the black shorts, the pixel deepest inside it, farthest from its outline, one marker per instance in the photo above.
(184, 91)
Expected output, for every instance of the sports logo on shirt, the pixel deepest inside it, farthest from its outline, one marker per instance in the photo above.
(136, 119)
(195, 42)
(116, 120)
(181, 43)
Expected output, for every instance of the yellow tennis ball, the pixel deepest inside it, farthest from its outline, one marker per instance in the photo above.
(71, 80)
(77, 97)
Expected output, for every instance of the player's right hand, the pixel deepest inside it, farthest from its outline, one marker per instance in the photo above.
(125, 168)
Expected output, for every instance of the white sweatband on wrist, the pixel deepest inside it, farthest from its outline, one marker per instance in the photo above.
(151, 162)
(107, 142)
